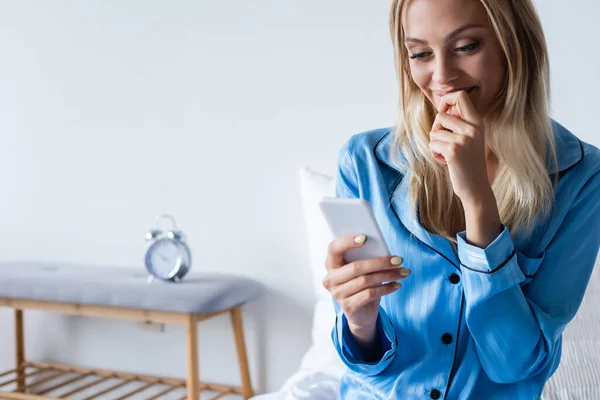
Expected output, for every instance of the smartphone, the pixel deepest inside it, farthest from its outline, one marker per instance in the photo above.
(354, 217)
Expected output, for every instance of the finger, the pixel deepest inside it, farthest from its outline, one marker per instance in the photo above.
(373, 280)
(444, 149)
(450, 122)
(360, 299)
(337, 248)
(464, 106)
(440, 158)
(434, 137)
(448, 109)
(363, 267)
(445, 136)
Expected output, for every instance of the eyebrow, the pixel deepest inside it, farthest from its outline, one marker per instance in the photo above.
(449, 37)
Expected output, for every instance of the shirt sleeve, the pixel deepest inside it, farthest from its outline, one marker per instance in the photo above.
(347, 348)
(350, 352)
(517, 331)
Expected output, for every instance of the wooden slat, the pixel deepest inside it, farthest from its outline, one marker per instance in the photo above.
(64, 383)
(3, 374)
(220, 395)
(86, 310)
(86, 386)
(216, 387)
(37, 372)
(2, 384)
(136, 391)
(107, 373)
(110, 389)
(23, 396)
(51, 377)
(166, 391)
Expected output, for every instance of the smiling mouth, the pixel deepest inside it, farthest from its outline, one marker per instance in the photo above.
(443, 93)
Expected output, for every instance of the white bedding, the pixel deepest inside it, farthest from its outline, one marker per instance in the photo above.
(315, 385)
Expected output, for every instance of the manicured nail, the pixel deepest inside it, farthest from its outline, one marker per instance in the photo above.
(397, 285)
(360, 239)
(396, 260)
(404, 271)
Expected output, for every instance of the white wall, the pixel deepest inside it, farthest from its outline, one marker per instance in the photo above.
(112, 112)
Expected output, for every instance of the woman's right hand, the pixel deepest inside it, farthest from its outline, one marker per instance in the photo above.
(357, 286)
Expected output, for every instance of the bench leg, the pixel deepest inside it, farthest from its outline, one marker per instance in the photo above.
(19, 350)
(193, 392)
(240, 344)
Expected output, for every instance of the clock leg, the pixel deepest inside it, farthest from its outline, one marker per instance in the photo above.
(240, 344)
(19, 350)
(192, 358)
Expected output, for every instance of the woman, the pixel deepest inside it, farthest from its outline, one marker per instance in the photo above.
(490, 208)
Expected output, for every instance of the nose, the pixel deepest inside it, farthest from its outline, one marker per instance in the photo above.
(444, 70)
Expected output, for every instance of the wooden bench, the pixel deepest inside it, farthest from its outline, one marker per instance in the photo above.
(113, 292)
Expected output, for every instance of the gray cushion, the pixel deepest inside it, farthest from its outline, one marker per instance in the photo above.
(124, 287)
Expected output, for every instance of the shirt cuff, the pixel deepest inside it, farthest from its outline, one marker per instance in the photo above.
(353, 349)
(487, 272)
(348, 349)
(490, 259)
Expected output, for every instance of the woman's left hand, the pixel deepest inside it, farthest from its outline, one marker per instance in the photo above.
(457, 139)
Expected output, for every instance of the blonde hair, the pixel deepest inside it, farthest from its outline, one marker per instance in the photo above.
(518, 130)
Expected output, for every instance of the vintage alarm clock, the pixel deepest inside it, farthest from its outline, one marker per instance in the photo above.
(168, 256)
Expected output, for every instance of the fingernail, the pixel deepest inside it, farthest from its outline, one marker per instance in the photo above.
(404, 271)
(397, 285)
(360, 239)
(396, 260)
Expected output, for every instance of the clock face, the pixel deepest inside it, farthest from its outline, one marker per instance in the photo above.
(163, 258)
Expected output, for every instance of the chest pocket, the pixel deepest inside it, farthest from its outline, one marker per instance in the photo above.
(529, 266)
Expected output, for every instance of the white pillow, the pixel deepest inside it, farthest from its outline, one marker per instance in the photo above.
(321, 369)
(313, 187)
(322, 355)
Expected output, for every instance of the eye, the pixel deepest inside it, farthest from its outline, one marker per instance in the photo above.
(419, 56)
(468, 48)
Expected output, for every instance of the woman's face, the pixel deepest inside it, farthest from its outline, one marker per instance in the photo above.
(451, 46)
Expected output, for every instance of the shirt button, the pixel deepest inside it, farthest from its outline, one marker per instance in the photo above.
(435, 394)
(454, 278)
(446, 338)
